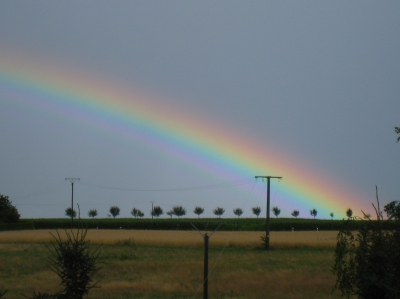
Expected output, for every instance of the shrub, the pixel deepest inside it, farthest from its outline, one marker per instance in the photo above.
(75, 262)
(8, 212)
(367, 262)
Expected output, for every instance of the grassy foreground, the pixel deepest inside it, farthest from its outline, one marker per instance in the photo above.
(170, 265)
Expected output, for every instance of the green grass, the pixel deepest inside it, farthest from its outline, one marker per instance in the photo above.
(131, 271)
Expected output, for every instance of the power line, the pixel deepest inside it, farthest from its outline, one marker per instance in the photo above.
(37, 193)
(203, 187)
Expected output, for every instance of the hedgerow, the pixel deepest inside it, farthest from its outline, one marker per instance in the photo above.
(241, 224)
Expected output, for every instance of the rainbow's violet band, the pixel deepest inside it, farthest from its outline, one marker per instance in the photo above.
(181, 133)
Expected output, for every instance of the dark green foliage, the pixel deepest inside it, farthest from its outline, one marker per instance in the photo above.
(198, 211)
(243, 224)
(218, 211)
(8, 212)
(256, 211)
(70, 213)
(367, 261)
(2, 294)
(136, 213)
(179, 211)
(238, 212)
(393, 210)
(92, 213)
(114, 211)
(22, 225)
(397, 130)
(276, 211)
(295, 213)
(157, 211)
(314, 212)
(75, 262)
(349, 213)
(331, 214)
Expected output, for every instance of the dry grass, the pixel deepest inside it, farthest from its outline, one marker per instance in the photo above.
(314, 239)
(169, 264)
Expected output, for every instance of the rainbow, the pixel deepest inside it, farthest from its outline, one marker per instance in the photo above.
(143, 118)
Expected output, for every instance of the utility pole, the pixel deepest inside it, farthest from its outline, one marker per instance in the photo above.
(268, 207)
(205, 271)
(72, 181)
(152, 210)
(205, 275)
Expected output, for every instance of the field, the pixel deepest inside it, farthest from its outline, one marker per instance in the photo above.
(169, 264)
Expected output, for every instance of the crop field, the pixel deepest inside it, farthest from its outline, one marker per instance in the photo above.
(313, 239)
(169, 264)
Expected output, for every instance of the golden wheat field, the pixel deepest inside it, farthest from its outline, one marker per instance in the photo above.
(169, 264)
(315, 239)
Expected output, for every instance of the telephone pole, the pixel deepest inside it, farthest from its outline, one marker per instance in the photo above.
(152, 210)
(72, 181)
(268, 207)
(205, 269)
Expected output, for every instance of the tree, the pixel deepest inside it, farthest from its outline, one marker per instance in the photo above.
(157, 211)
(70, 213)
(140, 214)
(75, 262)
(92, 213)
(397, 130)
(8, 212)
(367, 261)
(136, 213)
(331, 214)
(170, 213)
(179, 211)
(114, 211)
(238, 212)
(314, 212)
(349, 213)
(295, 213)
(256, 211)
(218, 211)
(276, 211)
(198, 211)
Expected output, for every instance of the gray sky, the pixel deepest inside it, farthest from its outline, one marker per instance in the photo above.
(318, 80)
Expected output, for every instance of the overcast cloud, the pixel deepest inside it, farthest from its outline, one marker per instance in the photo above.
(318, 79)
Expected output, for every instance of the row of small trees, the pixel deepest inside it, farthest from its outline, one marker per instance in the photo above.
(179, 211)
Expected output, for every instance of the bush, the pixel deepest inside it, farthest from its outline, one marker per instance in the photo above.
(8, 212)
(367, 262)
(75, 262)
